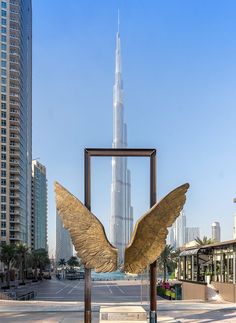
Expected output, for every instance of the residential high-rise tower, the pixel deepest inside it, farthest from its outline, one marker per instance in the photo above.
(121, 220)
(39, 210)
(215, 231)
(64, 247)
(177, 233)
(16, 120)
(192, 233)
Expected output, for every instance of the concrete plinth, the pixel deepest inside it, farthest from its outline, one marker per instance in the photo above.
(122, 314)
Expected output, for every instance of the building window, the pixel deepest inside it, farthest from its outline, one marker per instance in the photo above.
(3, 233)
(4, 13)
(4, 22)
(3, 123)
(3, 190)
(4, 5)
(3, 46)
(3, 106)
(3, 199)
(3, 38)
(3, 156)
(3, 131)
(3, 63)
(4, 30)
(3, 55)
(3, 207)
(3, 114)
(3, 79)
(3, 139)
(3, 148)
(3, 89)
(3, 216)
(3, 72)
(3, 174)
(3, 166)
(3, 224)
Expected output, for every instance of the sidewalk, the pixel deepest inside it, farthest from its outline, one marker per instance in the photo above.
(70, 312)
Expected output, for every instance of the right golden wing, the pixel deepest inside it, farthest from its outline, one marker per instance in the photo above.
(150, 232)
(87, 232)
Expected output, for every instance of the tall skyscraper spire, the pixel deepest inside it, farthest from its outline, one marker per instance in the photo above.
(118, 20)
(121, 221)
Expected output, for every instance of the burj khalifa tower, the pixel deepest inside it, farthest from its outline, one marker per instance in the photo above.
(121, 220)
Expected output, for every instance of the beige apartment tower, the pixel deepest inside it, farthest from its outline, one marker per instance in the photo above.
(16, 120)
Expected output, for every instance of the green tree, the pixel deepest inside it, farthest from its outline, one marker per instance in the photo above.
(62, 262)
(204, 241)
(21, 254)
(73, 262)
(40, 259)
(7, 256)
(166, 262)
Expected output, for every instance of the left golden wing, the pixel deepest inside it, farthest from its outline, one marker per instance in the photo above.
(86, 231)
(149, 236)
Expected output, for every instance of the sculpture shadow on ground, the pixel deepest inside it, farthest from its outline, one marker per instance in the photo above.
(221, 315)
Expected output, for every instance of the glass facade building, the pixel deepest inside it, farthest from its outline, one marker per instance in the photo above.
(39, 211)
(16, 120)
(64, 246)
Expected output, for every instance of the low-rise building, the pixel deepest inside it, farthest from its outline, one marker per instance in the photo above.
(215, 264)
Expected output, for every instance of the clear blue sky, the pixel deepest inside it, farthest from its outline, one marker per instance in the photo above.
(179, 72)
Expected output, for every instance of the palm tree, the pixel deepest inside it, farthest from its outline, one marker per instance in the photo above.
(40, 260)
(21, 252)
(165, 262)
(62, 262)
(204, 241)
(7, 256)
(73, 262)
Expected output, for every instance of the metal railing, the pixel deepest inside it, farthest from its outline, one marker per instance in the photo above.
(26, 297)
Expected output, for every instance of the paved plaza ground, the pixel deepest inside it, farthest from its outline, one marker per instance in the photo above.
(62, 301)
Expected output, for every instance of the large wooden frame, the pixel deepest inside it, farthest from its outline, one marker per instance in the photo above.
(117, 152)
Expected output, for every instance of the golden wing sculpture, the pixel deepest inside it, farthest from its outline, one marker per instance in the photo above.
(149, 236)
(86, 231)
(89, 237)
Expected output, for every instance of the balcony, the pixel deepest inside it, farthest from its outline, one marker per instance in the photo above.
(13, 36)
(14, 228)
(14, 78)
(17, 221)
(14, 170)
(15, 237)
(14, 145)
(15, 196)
(14, 70)
(14, 116)
(14, 129)
(14, 120)
(14, 137)
(14, 161)
(15, 179)
(14, 213)
(15, 204)
(15, 95)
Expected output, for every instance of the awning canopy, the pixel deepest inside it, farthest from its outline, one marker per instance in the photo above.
(189, 252)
